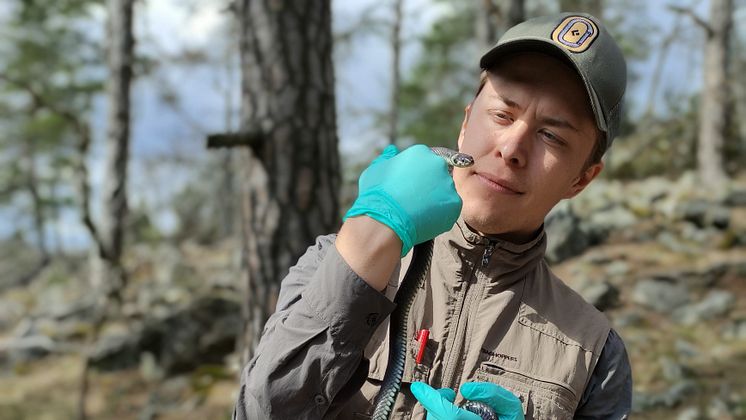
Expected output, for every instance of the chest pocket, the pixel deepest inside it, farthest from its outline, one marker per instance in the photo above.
(540, 399)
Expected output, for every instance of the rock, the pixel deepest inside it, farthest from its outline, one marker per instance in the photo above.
(678, 393)
(694, 212)
(26, 349)
(718, 217)
(735, 198)
(601, 223)
(672, 397)
(718, 409)
(702, 278)
(704, 214)
(660, 296)
(628, 319)
(618, 268)
(689, 413)
(641, 197)
(673, 371)
(736, 330)
(203, 332)
(674, 244)
(716, 303)
(565, 239)
(10, 313)
(685, 349)
(602, 295)
(114, 352)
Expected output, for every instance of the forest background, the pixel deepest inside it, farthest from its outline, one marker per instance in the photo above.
(124, 238)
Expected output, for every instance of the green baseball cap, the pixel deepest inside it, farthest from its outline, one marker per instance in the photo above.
(583, 42)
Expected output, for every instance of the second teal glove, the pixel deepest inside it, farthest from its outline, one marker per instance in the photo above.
(411, 192)
(439, 403)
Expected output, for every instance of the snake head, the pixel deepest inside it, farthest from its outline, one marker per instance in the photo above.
(461, 160)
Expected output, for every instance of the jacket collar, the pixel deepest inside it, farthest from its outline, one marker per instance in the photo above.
(499, 260)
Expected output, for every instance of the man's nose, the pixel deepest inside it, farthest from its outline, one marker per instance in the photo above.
(514, 143)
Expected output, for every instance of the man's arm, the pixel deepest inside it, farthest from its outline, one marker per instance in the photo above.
(313, 345)
(609, 392)
(330, 304)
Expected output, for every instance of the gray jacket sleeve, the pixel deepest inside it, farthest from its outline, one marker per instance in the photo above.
(310, 356)
(609, 391)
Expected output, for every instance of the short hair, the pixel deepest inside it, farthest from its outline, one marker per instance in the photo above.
(599, 146)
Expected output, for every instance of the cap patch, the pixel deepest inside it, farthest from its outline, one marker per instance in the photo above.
(575, 33)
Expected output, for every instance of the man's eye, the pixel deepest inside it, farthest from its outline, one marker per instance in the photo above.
(551, 137)
(501, 116)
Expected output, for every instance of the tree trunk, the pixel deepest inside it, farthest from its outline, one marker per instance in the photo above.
(714, 106)
(290, 190)
(395, 70)
(107, 274)
(594, 7)
(495, 17)
(114, 190)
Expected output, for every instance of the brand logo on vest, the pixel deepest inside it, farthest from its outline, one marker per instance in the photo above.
(499, 355)
(575, 33)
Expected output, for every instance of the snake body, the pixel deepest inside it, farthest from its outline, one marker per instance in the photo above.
(415, 277)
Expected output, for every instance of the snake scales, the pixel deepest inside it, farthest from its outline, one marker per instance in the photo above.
(421, 256)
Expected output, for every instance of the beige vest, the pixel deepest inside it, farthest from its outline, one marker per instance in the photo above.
(496, 313)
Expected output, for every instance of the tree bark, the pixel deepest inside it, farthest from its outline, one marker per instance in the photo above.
(714, 105)
(395, 71)
(107, 274)
(495, 17)
(594, 7)
(114, 189)
(291, 181)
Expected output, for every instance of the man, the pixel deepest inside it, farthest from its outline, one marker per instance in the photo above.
(502, 328)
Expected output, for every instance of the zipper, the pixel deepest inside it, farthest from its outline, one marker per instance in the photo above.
(454, 356)
(488, 250)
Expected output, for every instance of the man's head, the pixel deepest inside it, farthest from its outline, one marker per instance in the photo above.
(548, 107)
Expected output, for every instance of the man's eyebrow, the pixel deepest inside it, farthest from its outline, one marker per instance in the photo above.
(507, 101)
(558, 122)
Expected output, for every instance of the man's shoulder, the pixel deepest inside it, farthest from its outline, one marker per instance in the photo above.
(564, 308)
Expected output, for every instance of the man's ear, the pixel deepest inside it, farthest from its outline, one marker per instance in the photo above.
(467, 113)
(584, 179)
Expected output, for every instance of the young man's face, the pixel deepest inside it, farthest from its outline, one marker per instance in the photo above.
(531, 131)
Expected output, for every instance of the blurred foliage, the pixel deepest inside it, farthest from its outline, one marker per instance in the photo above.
(50, 69)
(431, 115)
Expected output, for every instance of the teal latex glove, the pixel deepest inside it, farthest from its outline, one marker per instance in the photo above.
(439, 403)
(411, 192)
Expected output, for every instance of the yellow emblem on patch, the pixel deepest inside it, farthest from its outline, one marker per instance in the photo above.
(575, 33)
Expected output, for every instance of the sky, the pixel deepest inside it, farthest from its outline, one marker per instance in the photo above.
(168, 135)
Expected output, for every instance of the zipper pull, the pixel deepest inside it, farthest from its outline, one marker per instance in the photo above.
(487, 253)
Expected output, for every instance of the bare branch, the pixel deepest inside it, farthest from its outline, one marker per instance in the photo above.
(84, 140)
(689, 12)
(251, 139)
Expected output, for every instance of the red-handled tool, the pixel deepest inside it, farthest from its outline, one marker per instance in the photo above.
(422, 337)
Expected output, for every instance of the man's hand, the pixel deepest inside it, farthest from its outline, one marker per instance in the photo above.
(411, 192)
(439, 403)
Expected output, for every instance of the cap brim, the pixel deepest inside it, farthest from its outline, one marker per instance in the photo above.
(548, 47)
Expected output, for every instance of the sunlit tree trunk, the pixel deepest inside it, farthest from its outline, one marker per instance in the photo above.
(494, 17)
(396, 45)
(114, 187)
(291, 180)
(714, 105)
(594, 7)
(107, 274)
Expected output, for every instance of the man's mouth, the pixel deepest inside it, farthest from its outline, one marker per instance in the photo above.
(498, 184)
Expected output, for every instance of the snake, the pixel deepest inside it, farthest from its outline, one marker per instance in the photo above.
(421, 256)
